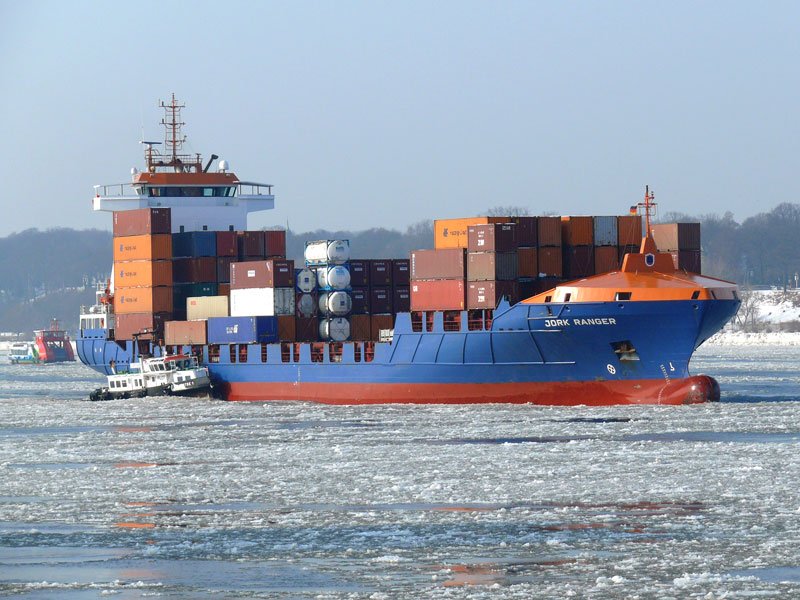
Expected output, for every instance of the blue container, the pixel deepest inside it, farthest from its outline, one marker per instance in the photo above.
(242, 330)
(194, 244)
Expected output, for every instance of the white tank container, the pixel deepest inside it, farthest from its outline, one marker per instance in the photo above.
(306, 305)
(306, 281)
(337, 304)
(333, 278)
(334, 252)
(336, 329)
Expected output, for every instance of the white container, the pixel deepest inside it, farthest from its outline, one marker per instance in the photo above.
(334, 252)
(284, 301)
(333, 278)
(306, 281)
(605, 231)
(336, 329)
(253, 302)
(306, 305)
(337, 304)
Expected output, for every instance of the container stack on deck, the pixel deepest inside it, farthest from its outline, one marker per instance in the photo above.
(682, 240)
(328, 259)
(491, 264)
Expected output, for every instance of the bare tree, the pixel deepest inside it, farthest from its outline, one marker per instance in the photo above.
(508, 211)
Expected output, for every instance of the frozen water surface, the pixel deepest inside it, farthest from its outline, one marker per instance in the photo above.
(186, 498)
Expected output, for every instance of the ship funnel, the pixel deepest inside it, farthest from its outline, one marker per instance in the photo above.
(210, 160)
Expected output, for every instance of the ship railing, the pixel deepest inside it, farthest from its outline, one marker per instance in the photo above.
(251, 188)
(127, 190)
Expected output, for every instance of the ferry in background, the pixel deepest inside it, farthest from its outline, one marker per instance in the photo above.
(50, 345)
(619, 337)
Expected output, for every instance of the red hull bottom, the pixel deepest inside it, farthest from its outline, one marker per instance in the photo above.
(692, 390)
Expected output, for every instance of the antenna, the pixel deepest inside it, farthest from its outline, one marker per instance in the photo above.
(171, 121)
(646, 208)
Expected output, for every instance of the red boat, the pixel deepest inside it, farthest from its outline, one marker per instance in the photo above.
(53, 344)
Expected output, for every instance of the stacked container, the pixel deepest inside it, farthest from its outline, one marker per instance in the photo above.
(142, 273)
(549, 252)
(682, 241)
(578, 248)
(329, 258)
(491, 264)
(606, 256)
(629, 235)
(194, 268)
(262, 288)
(438, 279)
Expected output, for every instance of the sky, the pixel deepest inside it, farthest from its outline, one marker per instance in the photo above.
(384, 114)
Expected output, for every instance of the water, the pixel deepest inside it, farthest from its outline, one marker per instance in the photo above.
(186, 498)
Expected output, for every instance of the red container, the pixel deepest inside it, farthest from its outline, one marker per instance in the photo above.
(401, 272)
(606, 259)
(224, 268)
(401, 298)
(380, 300)
(306, 329)
(629, 230)
(687, 260)
(275, 243)
(489, 266)
(359, 273)
(380, 272)
(149, 326)
(446, 263)
(677, 236)
(437, 294)
(486, 294)
(194, 270)
(527, 230)
(227, 244)
(578, 261)
(550, 261)
(360, 328)
(528, 262)
(378, 322)
(250, 243)
(286, 328)
(360, 301)
(492, 237)
(270, 273)
(577, 231)
(549, 231)
(185, 333)
(142, 221)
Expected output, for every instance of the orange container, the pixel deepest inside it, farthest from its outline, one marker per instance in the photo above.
(452, 233)
(143, 247)
(577, 231)
(606, 259)
(549, 231)
(360, 328)
(629, 230)
(142, 273)
(527, 262)
(143, 300)
(286, 328)
(550, 262)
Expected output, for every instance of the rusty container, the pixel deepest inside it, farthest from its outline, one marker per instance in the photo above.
(185, 333)
(142, 221)
(195, 270)
(486, 294)
(306, 329)
(143, 247)
(359, 297)
(227, 244)
(528, 262)
(286, 328)
(489, 266)
(577, 231)
(578, 261)
(448, 263)
(401, 298)
(527, 230)
(359, 273)
(606, 259)
(142, 273)
(452, 233)
(677, 236)
(492, 237)
(272, 272)
(438, 294)
(380, 300)
(401, 272)
(360, 328)
(549, 231)
(379, 322)
(629, 230)
(250, 244)
(380, 272)
(143, 300)
(144, 326)
(550, 261)
(605, 231)
(687, 260)
(275, 243)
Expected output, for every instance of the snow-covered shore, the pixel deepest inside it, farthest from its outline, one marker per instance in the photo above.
(742, 338)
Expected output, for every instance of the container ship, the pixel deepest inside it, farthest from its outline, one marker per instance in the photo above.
(545, 310)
